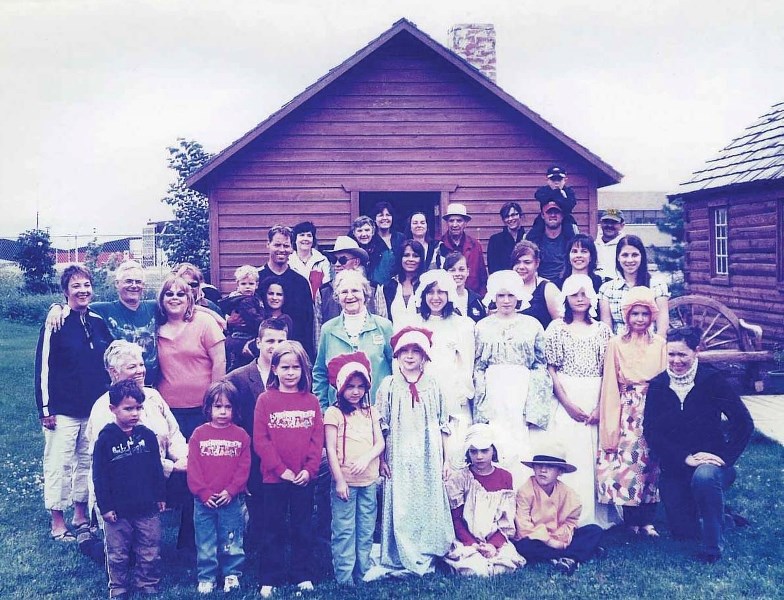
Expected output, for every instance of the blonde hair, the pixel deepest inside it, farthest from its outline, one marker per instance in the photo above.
(246, 272)
(119, 351)
(171, 281)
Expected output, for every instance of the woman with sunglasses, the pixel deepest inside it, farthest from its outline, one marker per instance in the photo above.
(190, 351)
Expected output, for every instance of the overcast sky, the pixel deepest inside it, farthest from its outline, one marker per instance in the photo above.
(94, 91)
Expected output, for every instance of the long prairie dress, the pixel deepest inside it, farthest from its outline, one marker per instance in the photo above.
(416, 523)
(578, 358)
(452, 366)
(626, 473)
(512, 386)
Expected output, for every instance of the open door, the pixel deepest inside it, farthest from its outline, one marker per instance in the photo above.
(404, 204)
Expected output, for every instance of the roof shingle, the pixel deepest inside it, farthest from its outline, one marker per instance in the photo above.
(756, 155)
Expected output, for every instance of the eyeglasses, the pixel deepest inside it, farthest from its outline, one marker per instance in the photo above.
(133, 281)
(341, 260)
(194, 284)
(171, 294)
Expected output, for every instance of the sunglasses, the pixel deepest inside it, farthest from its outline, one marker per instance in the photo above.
(341, 260)
(194, 284)
(171, 294)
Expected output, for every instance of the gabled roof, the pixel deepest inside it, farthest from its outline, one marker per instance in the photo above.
(756, 155)
(608, 175)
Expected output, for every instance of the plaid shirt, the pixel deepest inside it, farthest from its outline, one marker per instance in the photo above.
(614, 292)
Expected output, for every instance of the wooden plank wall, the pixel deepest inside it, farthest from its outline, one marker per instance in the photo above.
(752, 290)
(403, 119)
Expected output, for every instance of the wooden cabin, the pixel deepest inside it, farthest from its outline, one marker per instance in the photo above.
(404, 120)
(734, 220)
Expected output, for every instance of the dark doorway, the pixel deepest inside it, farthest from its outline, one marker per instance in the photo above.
(404, 204)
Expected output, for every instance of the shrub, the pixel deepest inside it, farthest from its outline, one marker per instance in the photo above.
(17, 305)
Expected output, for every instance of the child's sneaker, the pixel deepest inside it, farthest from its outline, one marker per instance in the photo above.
(266, 591)
(305, 586)
(230, 583)
(205, 587)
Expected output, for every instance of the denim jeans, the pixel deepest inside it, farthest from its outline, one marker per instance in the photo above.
(353, 522)
(218, 539)
(694, 495)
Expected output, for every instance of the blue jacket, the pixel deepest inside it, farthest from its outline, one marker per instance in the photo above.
(374, 341)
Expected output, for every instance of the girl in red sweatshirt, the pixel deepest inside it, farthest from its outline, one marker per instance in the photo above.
(218, 469)
(288, 435)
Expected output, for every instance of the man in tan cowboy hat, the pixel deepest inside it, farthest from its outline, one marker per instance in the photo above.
(457, 240)
(547, 514)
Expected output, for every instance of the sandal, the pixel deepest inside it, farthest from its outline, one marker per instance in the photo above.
(65, 536)
(649, 530)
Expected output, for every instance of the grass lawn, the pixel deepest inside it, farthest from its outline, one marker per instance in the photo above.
(35, 567)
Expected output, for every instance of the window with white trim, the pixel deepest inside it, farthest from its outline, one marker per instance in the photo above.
(720, 246)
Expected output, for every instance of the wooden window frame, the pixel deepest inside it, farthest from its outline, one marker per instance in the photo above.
(719, 276)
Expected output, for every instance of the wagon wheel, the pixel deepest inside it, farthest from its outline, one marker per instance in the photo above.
(721, 329)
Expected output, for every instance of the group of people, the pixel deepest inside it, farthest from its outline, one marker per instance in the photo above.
(389, 389)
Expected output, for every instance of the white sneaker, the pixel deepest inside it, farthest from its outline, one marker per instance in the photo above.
(206, 587)
(230, 583)
(266, 591)
(305, 586)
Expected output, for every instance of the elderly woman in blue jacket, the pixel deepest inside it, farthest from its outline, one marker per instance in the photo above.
(354, 329)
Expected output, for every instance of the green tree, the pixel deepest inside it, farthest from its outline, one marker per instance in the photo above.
(101, 280)
(36, 259)
(187, 238)
(672, 259)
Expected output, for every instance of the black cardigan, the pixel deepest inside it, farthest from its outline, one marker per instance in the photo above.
(674, 433)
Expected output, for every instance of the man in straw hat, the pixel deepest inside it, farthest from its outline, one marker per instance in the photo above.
(457, 240)
(547, 514)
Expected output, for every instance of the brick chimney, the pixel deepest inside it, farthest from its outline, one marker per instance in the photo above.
(475, 42)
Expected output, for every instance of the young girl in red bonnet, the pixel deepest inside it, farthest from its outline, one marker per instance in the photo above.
(354, 443)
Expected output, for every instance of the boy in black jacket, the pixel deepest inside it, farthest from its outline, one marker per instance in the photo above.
(130, 490)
